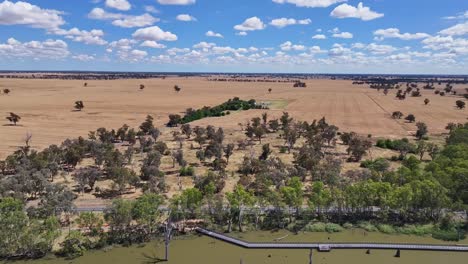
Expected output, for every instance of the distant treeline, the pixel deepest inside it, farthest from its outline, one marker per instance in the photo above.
(396, 80)
(116, 76)
(253, 80)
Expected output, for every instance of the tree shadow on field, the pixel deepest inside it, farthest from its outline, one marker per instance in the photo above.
(12, 125)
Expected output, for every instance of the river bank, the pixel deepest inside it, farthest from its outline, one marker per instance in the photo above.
(199, 249)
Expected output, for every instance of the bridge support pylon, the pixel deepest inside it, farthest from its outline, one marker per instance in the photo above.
(397, 255)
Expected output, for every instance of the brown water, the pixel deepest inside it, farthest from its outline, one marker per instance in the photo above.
(197, 249)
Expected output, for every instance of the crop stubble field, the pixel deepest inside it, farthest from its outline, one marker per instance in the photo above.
(46, 106)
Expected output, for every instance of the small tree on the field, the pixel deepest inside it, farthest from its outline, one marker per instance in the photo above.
(433, 150)
(410, 118)
(421, 149)
(142, 86)
(397, 115)
(228, 151)
(265, 118)
(147, 125)
(385, 91)
(274, 125)
(426, 101)
(13, 118)
(6, 91)
(79, 105)
(269, 90)
(358, 146)
(422, 130)
(186, 130)
(460, 104)
(85, 84)
(266, 151)
(259, 132)
(200, 136)
(174, 120)
(177, 88)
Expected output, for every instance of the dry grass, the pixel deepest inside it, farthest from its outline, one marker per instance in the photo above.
(46, 108)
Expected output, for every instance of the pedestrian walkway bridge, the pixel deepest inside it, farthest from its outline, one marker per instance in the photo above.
(330, 246)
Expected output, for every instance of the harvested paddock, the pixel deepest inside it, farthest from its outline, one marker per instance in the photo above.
(46, 106)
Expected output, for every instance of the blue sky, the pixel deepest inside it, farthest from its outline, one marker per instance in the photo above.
(310, 36)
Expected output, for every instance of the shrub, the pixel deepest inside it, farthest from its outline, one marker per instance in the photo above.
(448, 235)
(348, 225)
(387, 229)
(187, 171)
(367, 226)
(333, 228)
(316, 227)
(416, 230)
(283, 149)
(381, 143)
(74, 245)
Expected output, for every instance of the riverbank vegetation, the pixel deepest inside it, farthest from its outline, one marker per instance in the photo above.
(288, 174)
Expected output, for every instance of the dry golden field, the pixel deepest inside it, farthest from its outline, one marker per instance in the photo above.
(46, 106)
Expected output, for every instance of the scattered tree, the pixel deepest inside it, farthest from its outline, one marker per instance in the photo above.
(422, 130)
(397, 115)
(13, 118)
(460, 104)
(79, 105)
(410, 118)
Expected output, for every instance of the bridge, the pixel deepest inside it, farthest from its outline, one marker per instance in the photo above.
(330, 246)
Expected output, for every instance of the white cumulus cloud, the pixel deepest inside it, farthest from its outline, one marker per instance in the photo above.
(348, 11)
(344, 35)
(319, 36)
(185, 18)
(48, 49)
(152, 44)
(287, 46)
(457, 30)
(93, 37)
(395, 33)
(123, 20)
(310, 3)
(283, 22)
(210, 33)
(250, 24)
(23, 13)
(154, 33)
(176, 2)
(122, 5)
(83, 57)
(135, 21)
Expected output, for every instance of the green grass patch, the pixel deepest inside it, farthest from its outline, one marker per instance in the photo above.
(276, 104)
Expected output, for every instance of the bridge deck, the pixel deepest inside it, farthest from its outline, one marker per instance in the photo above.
(262, 245)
